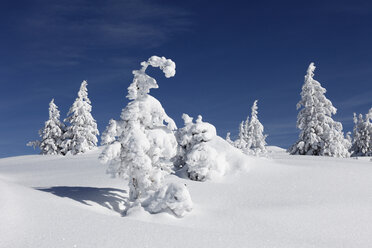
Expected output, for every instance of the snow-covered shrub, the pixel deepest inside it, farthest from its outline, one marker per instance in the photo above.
(81, 134)
(51, 134)
(202, 161)
(172, 197)
(362, 136)
(320, 135)
(251, 139)
(141, 145)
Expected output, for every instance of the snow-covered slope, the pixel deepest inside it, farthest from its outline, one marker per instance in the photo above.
(280, 201)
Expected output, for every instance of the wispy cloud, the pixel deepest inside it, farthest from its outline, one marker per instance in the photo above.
(356, 101)
(63, 33)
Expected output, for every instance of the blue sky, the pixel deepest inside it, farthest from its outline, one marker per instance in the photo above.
(228, 53)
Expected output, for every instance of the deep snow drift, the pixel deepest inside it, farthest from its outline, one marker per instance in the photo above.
(279, 201)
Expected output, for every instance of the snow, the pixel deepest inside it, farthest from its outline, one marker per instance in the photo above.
(280, 201)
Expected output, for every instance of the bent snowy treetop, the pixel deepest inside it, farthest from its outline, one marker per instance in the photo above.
(142, 83)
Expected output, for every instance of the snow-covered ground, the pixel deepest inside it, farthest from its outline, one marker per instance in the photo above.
(279, 201)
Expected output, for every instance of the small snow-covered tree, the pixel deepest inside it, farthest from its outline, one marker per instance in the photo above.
(320, 134)
(255, 138)
(362, 135)
(348, 141)
(141, 146)
(81, 134)
(197, 155)
(241, 142)
(51, 134)
(109, 135)
(228, 139)
(251, 139)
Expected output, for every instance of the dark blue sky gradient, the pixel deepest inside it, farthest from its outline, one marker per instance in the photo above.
(228, 53)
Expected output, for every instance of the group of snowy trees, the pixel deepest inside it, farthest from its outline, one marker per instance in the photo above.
(319, 134)
(144, 145)
(251, 139)
(79, 136)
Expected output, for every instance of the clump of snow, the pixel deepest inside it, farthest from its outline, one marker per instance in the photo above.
(173, 197)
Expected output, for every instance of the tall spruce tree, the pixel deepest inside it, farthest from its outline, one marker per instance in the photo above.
(320, 134)
(51, 134)
(81, 134)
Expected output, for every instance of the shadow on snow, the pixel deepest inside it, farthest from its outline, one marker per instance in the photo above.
(110, 198)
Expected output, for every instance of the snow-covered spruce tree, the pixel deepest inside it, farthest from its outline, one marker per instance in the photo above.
(241, 142)
(81, 133)
(141, 146)
(51, 134)
(320, 135)
(254, 136)
(361, 136)
(251, 139)
(199, 158)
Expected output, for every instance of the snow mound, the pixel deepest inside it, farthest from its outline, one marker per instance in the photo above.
(275, 149)
(173, 197)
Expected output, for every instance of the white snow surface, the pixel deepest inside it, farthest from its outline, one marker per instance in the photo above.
(281, 201)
